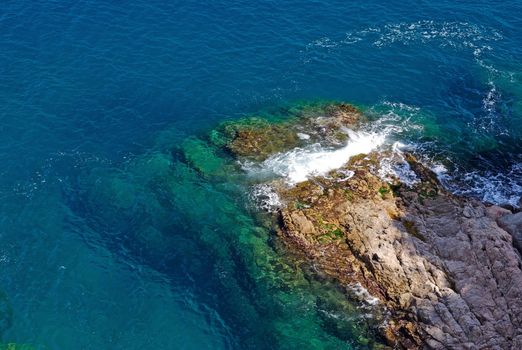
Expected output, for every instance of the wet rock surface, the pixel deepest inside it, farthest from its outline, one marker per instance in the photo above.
(445, 267)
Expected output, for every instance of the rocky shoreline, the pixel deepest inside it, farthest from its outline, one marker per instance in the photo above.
(446, 269)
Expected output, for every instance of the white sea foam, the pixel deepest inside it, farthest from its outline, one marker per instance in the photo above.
(298, 164)
(397, 119)
(460, 36)
(490, 121)
(395, 122)
(457, 35)
(348, 174)
(396, 167)
(303, 136)
(493, 186)
(401, 106)
(363, 294)
(265, 197)
(471, 38)
(497, 188)
(325, 42)
(440, 170)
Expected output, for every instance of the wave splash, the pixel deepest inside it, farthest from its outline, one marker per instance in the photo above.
(299, 164)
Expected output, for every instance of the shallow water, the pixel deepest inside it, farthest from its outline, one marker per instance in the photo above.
(109, 239)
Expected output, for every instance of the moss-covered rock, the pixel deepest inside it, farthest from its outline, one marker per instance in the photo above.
(256, 138)
(203, 157)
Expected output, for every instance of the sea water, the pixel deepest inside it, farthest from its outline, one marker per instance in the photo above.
(109, 240)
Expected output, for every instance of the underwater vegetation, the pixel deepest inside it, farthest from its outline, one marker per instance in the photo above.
(194, 196)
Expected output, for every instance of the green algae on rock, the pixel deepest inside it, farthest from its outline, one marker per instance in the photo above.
(256, 138)
(202, 157)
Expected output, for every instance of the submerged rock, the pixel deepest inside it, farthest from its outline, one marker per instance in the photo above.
(441, 265)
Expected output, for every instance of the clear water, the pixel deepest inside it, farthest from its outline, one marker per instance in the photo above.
(108, 240)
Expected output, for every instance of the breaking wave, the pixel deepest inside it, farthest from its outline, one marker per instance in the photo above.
(299, 164)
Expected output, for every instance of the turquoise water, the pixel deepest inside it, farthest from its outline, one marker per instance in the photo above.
(111, 238)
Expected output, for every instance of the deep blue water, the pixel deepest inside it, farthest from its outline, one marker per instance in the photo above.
(87, 87)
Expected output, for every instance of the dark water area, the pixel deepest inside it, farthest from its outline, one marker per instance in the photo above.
(117, 228)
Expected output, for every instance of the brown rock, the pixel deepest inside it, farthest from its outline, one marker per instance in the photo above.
(256, 139)
(494, 212)
(441, 264)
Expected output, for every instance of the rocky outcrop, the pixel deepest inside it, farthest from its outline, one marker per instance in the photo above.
(440, 264)
(255, 138)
